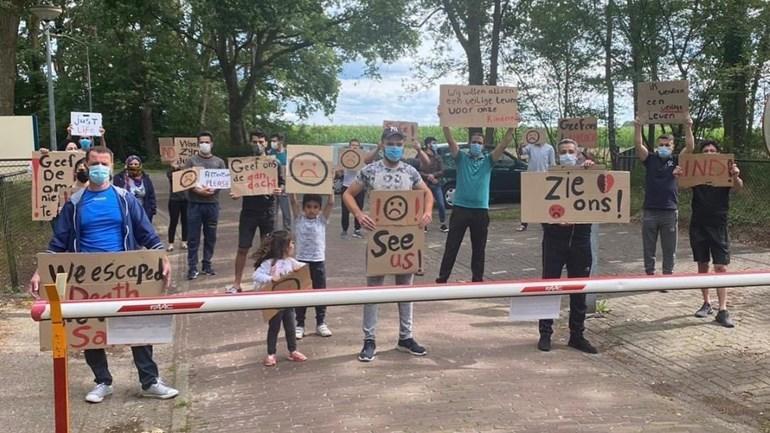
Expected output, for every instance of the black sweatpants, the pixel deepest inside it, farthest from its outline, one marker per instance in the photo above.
(567, 246)
(177, 209)
(477, 220)
(285, 316)
(318, 275)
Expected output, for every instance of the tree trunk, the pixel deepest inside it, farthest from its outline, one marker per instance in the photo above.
(735, 88)
(611, 133)
(473, 52)
(494, 57)
(763, 55)
(148, 137)
(9, 31)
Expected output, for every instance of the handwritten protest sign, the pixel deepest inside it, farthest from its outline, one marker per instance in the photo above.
(214, 178)
(705, 169)
(478, 106)
(182, 180)
(395, 250)
(535, 136)
(581, 129)
(310, 169)
(177, 150)
(352, 159)
(53, 174)
(86, 124)
(251, 175)
(132, 274)
(580, 196)
(167, 150)
(298, 280)
(664, 101)
(397, 208)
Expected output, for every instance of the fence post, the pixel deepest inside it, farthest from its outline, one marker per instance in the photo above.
(7, 234)
(59, 353)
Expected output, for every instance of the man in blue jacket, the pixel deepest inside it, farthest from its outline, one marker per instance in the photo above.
(105, 218)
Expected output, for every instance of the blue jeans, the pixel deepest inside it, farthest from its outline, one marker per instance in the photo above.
(205, 216)
(145, 366)
(438, 196)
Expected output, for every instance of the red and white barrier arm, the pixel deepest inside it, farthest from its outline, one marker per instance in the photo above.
(186, 304)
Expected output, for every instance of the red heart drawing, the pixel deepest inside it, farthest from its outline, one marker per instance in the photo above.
(605, 182)
(556, 211)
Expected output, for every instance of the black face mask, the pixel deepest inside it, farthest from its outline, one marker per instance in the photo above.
(82, 176)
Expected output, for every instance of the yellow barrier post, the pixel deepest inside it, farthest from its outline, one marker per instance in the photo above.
(59, 345)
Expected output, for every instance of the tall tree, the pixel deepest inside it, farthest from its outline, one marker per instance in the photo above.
(10, 12)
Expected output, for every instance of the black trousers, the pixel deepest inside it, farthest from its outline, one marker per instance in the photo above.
(318, 275)
(177, 209)
(286, 317)
(346, 211)
(477, 220)
(575, 254)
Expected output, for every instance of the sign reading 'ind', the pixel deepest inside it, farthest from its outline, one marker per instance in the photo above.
(705, 169)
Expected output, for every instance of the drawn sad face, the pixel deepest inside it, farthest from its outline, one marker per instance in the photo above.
(395, 208)
(350, 159)
(532, 137)
(290, 283)
(188, 179)
(308, 169)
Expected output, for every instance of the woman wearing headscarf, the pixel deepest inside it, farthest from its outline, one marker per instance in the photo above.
(134, 180)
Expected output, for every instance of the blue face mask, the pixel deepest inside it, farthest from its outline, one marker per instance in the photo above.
(475, 149)
(394, 153)
(99, 174)
(85, 143)
(568, 159)
(664, 152)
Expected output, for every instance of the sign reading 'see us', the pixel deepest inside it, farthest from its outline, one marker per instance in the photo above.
(581, 196)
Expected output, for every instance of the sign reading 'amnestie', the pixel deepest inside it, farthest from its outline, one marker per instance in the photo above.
(478, 106)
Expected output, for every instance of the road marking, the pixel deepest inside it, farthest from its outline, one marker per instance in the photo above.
(528, 269)
(615, 261)
(499, 272)
(621, 233)
(531, 239)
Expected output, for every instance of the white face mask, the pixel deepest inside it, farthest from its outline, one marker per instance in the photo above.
(205, 148)
(568, 159)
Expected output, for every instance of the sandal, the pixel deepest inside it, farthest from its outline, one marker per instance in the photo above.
(269, 361)
(297, 357)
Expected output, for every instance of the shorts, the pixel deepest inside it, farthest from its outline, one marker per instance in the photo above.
(248, 223)
(710, 242)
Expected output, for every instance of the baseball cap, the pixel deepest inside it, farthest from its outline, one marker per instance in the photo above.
(392, 132)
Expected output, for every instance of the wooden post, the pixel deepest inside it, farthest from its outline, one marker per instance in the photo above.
(59, 345)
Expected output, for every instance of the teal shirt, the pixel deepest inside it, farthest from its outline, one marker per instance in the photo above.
(473, 181)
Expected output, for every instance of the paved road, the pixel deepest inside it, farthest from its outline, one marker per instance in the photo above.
(659, 370)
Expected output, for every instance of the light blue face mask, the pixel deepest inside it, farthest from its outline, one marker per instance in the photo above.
(664, 152)
(475, 149)
(99, 174)
(568, 159)
(394, 153)
(85, 143)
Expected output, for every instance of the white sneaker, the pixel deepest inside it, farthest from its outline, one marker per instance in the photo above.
(299, 332)
(97, 394)
(323, 330)
(184, 245)
(160, 390)
(170, 247)
(232, 290)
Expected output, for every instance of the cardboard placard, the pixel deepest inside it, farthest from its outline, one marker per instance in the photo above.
(167, 150)
(581, 129)
(53, 174)
(352, 159)
(706, 169)
(185, 148)
(535, 136)
(478, 106)
(86, 124)
(214, 178)
(664, 101)
(184, 179)
(251, 175)
(298, 280)
(310, 169)
(19, 133)
(132, 274)
(578, 197)
(395, 250)
(397, 208)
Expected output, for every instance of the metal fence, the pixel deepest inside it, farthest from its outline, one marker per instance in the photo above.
(20, 237)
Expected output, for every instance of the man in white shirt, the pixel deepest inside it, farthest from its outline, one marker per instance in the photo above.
(539, 157)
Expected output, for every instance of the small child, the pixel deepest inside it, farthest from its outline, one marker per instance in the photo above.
(273, 261)
(310, 232)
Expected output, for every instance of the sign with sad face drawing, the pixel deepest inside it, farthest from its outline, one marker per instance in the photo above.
(309, 169)
(397, 208)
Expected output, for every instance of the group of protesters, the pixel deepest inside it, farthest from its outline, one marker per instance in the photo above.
(111, 213)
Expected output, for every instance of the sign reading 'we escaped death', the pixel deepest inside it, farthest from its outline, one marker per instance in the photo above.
(576, 197)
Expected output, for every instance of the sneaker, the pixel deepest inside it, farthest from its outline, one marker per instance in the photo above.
(411, 346)
(170, 247)
(299, 332)
(323, 330)
(544, 343)
(209, 271)
(521, 228)
(184, 245)
(232, 290)
(269, 361)
(704, 310)
(344, 235)
(160, 390)
(357, 234)
(581, 344)
(97, 394)
(444, 228)
(426, 229)
(192, 274)
(368, 352)
(723, 318)
(297, 357)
